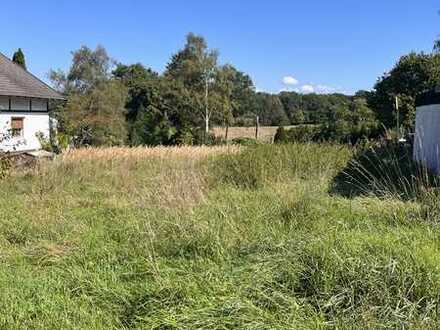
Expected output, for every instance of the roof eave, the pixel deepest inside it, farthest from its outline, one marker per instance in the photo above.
(58, 97)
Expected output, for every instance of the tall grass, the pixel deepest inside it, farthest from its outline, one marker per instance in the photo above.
(248, 239)
(262, 165)
(388, 171)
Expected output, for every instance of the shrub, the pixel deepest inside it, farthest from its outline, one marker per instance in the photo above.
(280, 135)
(185, 138)
(300, 133)
(245, 141)
(339, 132)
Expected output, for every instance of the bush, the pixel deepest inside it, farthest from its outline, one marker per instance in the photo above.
(300, 133)
(245, 141)
(185, 138)
(341, 132)
(345, 132)
(280, 135)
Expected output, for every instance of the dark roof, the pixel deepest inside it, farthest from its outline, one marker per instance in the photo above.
(16, 81)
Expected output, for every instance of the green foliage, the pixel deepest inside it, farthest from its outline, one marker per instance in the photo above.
(196, 92)
(312, 108)
(94, 113)
(359, 122)
(346, 125)
(299, 133)
(298, 117)
(280, 135)
(151, 127)
(245, 141)
(98, 116)
(175, 107)
(45, 142)
(270, 110)
(185, 138)
(132, 75)
(19, 58)
(89, 68)
(413, 74)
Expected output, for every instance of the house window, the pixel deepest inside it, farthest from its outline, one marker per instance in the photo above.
(20, 104)
(17, 126)
(39, 105)
(4, 103)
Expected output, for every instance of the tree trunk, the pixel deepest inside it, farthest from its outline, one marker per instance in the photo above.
(207, 125)
(226, 132)
(257, 126)
(206, 110)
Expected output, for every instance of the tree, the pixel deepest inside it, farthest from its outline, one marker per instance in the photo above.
(132, 75)
(149, 120)
(98, 116)
(141, 84)
(153, 127)
(298, 117)
(159, 110)
(270, 110)
(194, 66)
(19, 58)
(412, 75)
(243, 92)
(89, 68)
(280, 135)
(223, 95)
(94, 113)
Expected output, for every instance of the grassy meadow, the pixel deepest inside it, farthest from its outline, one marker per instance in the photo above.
(213, 238)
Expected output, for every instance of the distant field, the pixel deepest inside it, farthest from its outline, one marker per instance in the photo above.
(213, 238)
(265, 133)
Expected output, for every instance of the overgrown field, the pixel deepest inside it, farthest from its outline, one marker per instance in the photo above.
(224, 238)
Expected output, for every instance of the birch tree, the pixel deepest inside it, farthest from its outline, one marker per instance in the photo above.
(195, 66)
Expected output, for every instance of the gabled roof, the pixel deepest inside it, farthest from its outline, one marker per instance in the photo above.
(16, 81)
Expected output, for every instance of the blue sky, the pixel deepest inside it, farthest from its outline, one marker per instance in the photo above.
(319, 45)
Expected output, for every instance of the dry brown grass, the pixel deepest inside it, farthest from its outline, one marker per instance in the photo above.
(198, 152)
(265, 133)
(164, 177)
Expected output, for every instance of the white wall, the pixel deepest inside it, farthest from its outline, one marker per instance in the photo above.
(32, 124)
(427, 139)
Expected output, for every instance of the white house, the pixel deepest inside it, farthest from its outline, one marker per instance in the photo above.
(24, 107)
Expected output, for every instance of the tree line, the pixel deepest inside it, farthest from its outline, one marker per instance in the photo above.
(112, 103)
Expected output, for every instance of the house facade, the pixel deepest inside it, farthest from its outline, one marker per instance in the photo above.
(24, 108)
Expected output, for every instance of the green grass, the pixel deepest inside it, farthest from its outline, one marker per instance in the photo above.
(237, 241)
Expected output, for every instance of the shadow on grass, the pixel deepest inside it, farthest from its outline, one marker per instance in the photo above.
(384, 170)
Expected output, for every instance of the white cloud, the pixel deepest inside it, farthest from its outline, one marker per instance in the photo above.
(290, 81)
(323, 89)
(307, 89)
(319, 89)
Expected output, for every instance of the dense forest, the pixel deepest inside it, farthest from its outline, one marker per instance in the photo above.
(112, 103)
